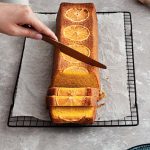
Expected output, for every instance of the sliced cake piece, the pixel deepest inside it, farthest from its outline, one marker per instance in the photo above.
(71, 101)
(79, 115)
(64, 91)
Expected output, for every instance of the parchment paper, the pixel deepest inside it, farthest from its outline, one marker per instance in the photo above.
(35, 74)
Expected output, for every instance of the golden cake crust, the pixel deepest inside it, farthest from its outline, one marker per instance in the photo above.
(63, 91)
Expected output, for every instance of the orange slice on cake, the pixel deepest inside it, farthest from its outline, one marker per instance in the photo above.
(69, 91)
(76, 32)
(72, 91)
(80, 48)
(77, 14)
(76, 70)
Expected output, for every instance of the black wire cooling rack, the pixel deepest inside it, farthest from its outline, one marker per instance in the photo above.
(132, 120)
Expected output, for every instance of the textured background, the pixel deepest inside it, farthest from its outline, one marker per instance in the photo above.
(79, 138)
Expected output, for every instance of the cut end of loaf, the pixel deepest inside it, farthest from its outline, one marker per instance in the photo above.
(75, 80)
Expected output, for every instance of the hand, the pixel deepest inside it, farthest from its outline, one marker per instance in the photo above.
(14, 16)
(145, 1)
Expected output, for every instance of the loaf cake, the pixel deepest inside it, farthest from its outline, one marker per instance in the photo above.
(75, 89)
(82, 35)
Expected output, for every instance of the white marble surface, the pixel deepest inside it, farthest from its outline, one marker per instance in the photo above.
(79, 138)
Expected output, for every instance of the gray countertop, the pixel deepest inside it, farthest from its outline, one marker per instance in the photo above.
(79, 138)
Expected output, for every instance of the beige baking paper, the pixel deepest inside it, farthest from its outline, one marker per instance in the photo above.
(36, 68)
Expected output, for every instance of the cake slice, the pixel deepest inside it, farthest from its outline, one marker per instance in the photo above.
(72, 101)
(63, 91)
(78, 115)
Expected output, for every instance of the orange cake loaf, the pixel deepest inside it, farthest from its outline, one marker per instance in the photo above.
(75, 89)
(77, 27)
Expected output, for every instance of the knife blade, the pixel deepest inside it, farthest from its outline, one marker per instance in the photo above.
(73, 53)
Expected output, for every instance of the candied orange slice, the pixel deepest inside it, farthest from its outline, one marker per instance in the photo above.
(69, 91)
(80, 48)
(77, 14)
(76, 70)
(76, 32)
(65, 101)
(72, 91)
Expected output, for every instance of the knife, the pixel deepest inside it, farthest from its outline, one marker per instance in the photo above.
(69, 51)
(73, 53)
